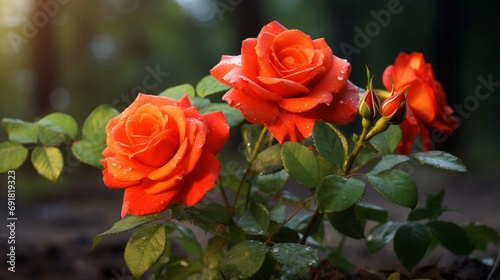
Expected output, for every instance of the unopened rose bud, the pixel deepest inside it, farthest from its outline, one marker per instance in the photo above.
(393, 109)
(368, 105)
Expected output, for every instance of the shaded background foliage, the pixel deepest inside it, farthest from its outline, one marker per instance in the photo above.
(93, 52)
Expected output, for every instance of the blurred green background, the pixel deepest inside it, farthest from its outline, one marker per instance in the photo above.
(70, 56)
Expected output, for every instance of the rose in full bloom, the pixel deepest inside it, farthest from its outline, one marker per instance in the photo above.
(428, 111)
(287, 81)
(162, 151)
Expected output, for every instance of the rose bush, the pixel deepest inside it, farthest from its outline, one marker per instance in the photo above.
(162, 151)
(427, 107)
(287, 81)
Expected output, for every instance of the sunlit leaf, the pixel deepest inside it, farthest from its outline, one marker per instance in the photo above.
(20, 131)
(13, 155)
(208, 85)
(48, 162)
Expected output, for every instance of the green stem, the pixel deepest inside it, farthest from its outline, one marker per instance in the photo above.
(350, 160)
(255, 152)
(309, 226)
(224, 196)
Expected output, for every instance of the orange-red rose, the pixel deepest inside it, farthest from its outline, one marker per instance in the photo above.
(287, 81)
(162, 151)
(428, 111)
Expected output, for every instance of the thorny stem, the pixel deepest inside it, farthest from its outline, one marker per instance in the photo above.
(347, 167)
(249, 169)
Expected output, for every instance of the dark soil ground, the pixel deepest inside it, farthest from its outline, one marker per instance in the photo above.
(56, 225)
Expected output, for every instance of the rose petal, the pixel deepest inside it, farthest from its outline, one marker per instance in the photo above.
(218, 131)
(137, 202)
(254, 110)
(308, 102)
(422, 101)
(273, 27)
(344, 107)
(200, 180)
(226, 64)
(335, 79)
(110, 181)
(167, 169)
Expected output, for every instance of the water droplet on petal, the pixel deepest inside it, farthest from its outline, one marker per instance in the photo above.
(340, 78)
(113, 164)
(342, 101)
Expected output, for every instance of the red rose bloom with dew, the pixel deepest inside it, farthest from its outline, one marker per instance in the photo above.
(427, 108)
(162, 151)
(287, 81)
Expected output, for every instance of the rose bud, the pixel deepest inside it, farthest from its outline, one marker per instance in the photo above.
(393, 109)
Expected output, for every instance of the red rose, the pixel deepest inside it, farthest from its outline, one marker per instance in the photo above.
(427, 107)
(162, 151)
(287, 81)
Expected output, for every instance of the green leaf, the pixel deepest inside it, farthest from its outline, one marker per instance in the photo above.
(388, 162)
(278, 213)
(396, 186)
(13, 155)
(330, 142)
(272, 183)
(48, 162)
(340, 261)
(243, 260)
(55, 128)
(336, 193)
(295, 255)
(206, 216)
(255, 220)
(268, 161)
(452, 236)
(300, 163)
(144, 248)
(411, 243)
(480, 235)
(126, 224)
(347, 223)
(189, 242)
(89, 150)
(208, 85)
(380, 235)
(442, 160)
(179, 91)
(20, 131)
(371, 212)
(387, 142)
(233, 116)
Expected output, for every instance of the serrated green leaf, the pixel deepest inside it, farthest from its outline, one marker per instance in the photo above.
(330, 142)
(179, 91)
(371, 212)
(411, 242)
(243, 260)
(396, 186)
(272, 183)
(233, 116)
(452, 236)
(480, 235)
(388, 162)
(347, 223)
(126, 224)
(380, 235)
(13, 155)
(300, 163)
(89, 150)
(206, 216)
(144, 248)
(336, 193)
(208, 85)
(268, 161)
(255, 220)
(295, 255)
(48, 162)
(441, 160)
(387, 142)
(20, 131)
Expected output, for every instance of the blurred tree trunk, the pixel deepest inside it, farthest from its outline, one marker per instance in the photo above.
(44, 58)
